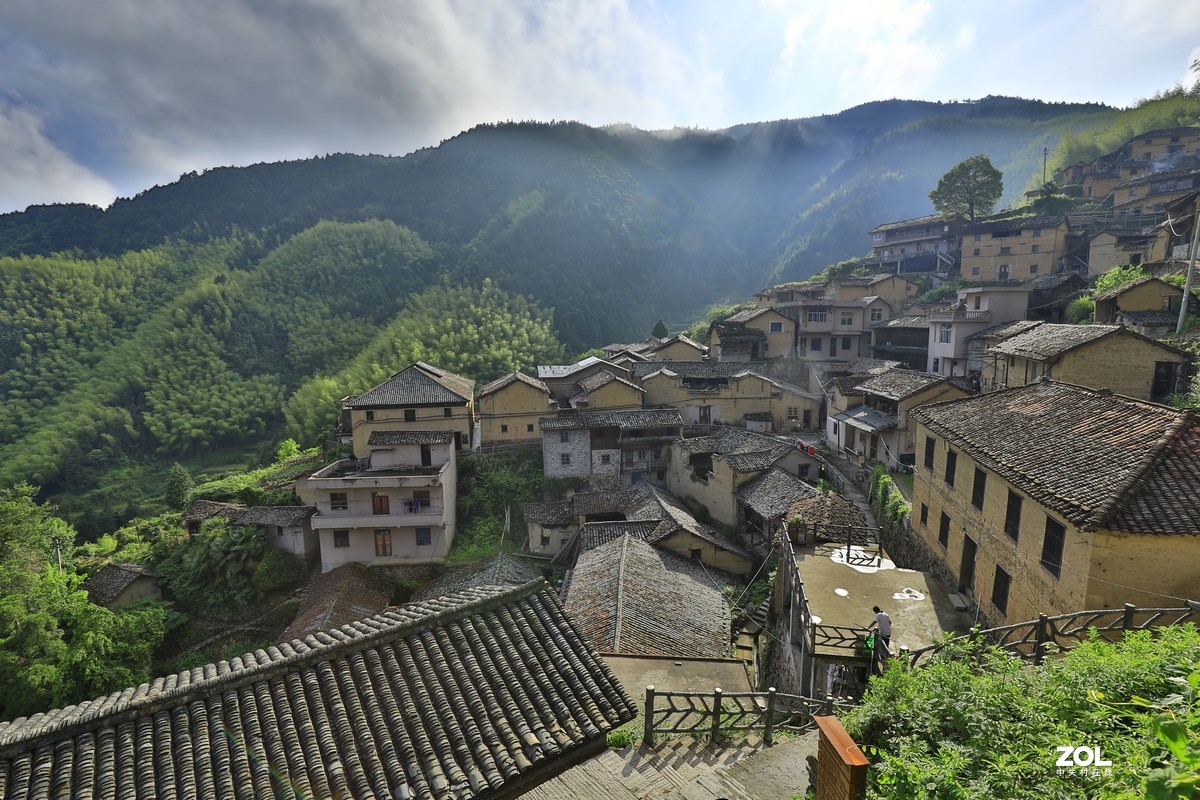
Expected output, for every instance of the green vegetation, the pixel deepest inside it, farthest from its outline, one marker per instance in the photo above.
(660, 330)
(1081, 310)
(489, 483)
(979, 723)
(1118, 277)
(971, 187)
(887, 501)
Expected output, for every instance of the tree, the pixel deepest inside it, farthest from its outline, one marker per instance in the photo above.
(178, 486)
(970, 186)
(660, 330)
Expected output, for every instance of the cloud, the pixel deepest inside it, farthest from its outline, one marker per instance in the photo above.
(34, 170)
(152, 90)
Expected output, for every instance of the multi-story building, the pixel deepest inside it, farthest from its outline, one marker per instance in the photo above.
(896, 291)
(912, 237)
(976, 309)
(509, 408)
(609, 448)
(1115, 248)
(903, 338)
(1016, 249)
(394, 506)
(752, 335)
(730, 393)
(1149, 194)
(419, 398)
(1051, 498)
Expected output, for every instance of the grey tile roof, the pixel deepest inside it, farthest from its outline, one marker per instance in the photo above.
(585, 503)
(679, 337)
(1005, 330)
(554, 514)
(1152, 319)
(1125, 287)
(1050, 340)
(903, 321)
(771, 494)
(928, 219)
(418, 385)
(675, 517)
(729, 440)
(511, 378)
(897, 384)
(625, 420)
(566, 370)
(627, 597)
(866, 280)
(644, 346)
(1044, 283)
(594, 534)
(746, 314)
(828, 508)
(698, 369)
(735, 333)
(463, 696)
(343, 595)
(106, 584)
(602, 378)
(502, 569)
(864, 416)
(1012, 224)
(201, 510)
(283, 516)
(386, 438)
(1098, 459)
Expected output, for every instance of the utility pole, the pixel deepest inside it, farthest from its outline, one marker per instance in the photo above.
(1045, 153)
(1187, 283)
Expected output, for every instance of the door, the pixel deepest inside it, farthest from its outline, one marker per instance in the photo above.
(426, 456)
(966, 570)
(1165, 373)
(705, 415)
(832, 346)
(383, 542)
(1003, 272)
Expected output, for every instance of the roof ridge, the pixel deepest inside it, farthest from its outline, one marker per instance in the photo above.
(137, 707)
(1153, 457)
(619, 610)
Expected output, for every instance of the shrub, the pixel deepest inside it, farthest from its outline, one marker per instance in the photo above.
(278, 569)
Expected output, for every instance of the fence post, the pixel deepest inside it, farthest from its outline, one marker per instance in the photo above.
(648, 721)
(1127, 619)
(715, 733)
(1039, 643)
(767, 730)
(827, 706)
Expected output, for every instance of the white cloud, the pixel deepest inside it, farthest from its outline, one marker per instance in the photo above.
(34, 170)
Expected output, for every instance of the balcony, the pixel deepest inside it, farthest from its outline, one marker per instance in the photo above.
(960, 316)
(349, 473)
(423, 517)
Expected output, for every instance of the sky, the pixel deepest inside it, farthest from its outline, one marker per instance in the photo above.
(106, 98)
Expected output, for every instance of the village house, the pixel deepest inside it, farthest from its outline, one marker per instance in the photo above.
(919, 245)
(554, 523)
(200, 510)
(1148, 305)
(1051, 295)
(1098, 356)
(1155, 150)
(752, 335)
(1016, 249)
(419, 398)
(892, 289)
(394, 506)
(117, 585)
(342, 596)
(437, 699)
(643, 348)
(1051, 498)
(1149, 194)
(709, 470)
(763, 502)
(563, 380)
(976, 309)
(821, 373)
(903, 338)
(509, 408)
(288, 528)
(609, 448)
(873, 427)
(838, 329)
(1116, 248)
(730, 393)
(679, 348)
(980, 342)
(603, 391)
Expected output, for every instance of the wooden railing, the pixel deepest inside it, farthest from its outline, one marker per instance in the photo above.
(711, 713)
(1034, 639)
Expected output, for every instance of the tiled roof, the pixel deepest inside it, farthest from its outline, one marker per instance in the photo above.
(697, 369)
(201, 510)
(625, 420)
(459, 697)
(511, 378)
(1051, 340)
(898, 384)
(1013, 224)
(627, 597)
(502, 569)
(870, 366)
(865, 280)
(1123, 288)
(1098, 459)
(420, 384)
(594, 534)
(602, 378)
(1006, 329)
(282, 516)
(903, 321)
(828, 508)
(554, 514)
(566, 370)
(1044, 283)
(747, 314)
(847, 384)
(734, 333)
(635, 347)
(675, 517)
(106, 584)
(679, 337)
(863, 416)
(928, 219)
(772, 493)
(339, 597)
(386, 438)
(585, 503)
(1150, 319)
(739, 447)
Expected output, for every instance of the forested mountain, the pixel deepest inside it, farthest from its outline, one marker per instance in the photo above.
(219, 312)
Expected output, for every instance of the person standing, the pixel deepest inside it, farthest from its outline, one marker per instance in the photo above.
(884, 623)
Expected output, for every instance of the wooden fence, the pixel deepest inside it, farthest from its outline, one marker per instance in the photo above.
(711, 713)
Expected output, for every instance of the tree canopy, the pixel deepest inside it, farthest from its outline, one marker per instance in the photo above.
(971, 187)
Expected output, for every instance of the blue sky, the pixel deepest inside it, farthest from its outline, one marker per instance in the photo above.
(105, 98)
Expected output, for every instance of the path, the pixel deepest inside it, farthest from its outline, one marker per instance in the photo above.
(852, 492)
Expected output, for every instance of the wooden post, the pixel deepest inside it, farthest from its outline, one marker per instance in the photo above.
(1127, 618)
(827, 708)
(648, 718)
(715, 732)
(768, 728)
(1039, 644)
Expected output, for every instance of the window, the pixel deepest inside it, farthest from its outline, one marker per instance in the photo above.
(529, 428)
(564, 436)
(695, 553)
(847, 343)
(383, 542)
(945, 331)
(1052, 546)
(380, 504)
(978, 301)
(878, 237)
(979, 488)
(410, 415)
(847, 317)
(876, 315)
(504, 429)
(929, 452)
(341, 538)
(370, 416)
(545, 540)
(1012, 516)
(605, 459)
(446, 411)
(776, 327)
(1037, 248)
(661, 475)
(656, 452)
(1000, 586)
(936, 366)
(978, 237)
(944, 530)
(1005, 251)
(1036, 232)
(420, 499)
(976, 252)
(815, 346)
(424, 536)
(1033, 269)
(924, 514)
(793, 413)
(566, 459)
(641, 455)
(974, 270)
(338, 501)
(816, 315)
(951, 463)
